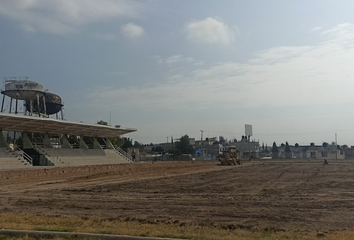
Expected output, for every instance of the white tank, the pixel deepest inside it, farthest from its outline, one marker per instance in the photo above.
(23, 89)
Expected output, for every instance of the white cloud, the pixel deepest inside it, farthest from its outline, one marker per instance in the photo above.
(210, 31)
(64, 16)
(177, 59)
(282, 76)
(132, 30)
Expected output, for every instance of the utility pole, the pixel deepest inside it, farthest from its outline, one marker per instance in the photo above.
(201, 137)
(167, 139)
(336, 147)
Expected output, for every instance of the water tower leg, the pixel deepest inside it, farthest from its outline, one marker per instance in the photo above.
(2, 105)
(45, 107)
(10, 105)
(31, 107)
(62, 116)
(38, 108)
(16, 106)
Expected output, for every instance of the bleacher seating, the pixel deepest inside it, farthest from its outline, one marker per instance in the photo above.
(10, 160)
(80, 157)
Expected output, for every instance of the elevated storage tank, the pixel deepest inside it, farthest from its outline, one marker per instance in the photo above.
(53, 104)
(23, 89)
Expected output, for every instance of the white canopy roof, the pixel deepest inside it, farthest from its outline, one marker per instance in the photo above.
(21, 123)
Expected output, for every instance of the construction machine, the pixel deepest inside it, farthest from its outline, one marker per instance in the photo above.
(230, 156)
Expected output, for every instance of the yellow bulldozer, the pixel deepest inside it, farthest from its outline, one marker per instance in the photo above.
(230, 156)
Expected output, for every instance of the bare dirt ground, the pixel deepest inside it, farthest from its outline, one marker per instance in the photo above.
(269, 195)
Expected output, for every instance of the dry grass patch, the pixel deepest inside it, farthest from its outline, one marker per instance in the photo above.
(95, 225)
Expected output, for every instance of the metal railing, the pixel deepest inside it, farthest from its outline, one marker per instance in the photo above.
(123, 153)
(24, 155)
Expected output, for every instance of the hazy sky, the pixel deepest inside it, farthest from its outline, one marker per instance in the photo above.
(177, 67)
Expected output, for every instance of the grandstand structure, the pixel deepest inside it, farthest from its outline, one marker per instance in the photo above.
(46, 141)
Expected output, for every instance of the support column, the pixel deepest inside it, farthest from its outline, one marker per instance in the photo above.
(2, 104)
(27, 144)
(96, 144)
(16, 106)
(10, 105)
(46, 141)
(44, 106)
(31, 108)
(38, 106)
(66, 143)
(3, 142)
(109, 144)
(82, 143)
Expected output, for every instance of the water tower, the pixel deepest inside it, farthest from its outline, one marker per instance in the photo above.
(50, 104)
(36, 100)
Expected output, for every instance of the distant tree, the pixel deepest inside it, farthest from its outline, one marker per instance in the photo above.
(325, 144)
(183, 145)
(287, 150)
(297, 145)
(101, 122)
(117, 126)
(312, 144)
(222, 139)
(266, 149)
(117, 141)
(275, 150)
(158, 149)
(174, 152)
(137, 144)
(282, 144)
(127, 144)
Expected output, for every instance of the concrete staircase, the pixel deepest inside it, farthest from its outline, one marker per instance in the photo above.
(81, 157)
(10, 159)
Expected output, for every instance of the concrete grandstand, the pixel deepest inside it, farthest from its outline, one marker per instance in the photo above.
(47, 141)
(51, 145)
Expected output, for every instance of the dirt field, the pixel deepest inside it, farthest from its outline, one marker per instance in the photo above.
(269, 195)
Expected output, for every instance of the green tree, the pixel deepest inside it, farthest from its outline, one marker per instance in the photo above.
(137, 144)
(117, 141)
(127, 144)
(222, 139)
(101, 122)
(183, 145)
(287, 150)
(275, 150)
(266, 149)
(158, 149)
(174, 152)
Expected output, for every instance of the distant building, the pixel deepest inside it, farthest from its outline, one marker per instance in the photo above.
(312, 152)
(248, 148)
